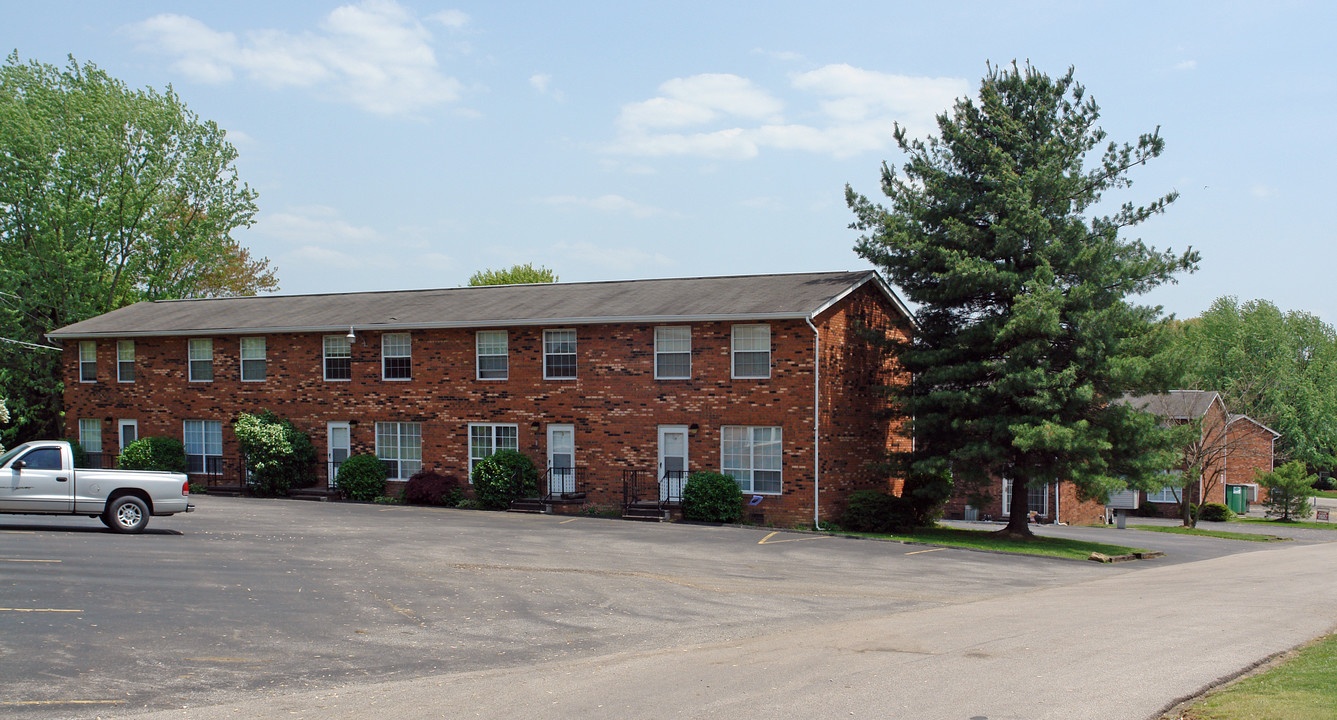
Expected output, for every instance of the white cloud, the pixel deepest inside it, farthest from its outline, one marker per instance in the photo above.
(622, 260)
(605, 203)
(542, 82)
(1260, 190)
(453, 19)
(376, 55)
(1187, 65)
(314, 225)
(728, 117)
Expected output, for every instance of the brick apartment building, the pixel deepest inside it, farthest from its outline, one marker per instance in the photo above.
(769, 378)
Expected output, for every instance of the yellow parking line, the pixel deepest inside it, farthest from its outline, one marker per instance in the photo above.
(567, 521)
(924, 551)
(38, 610)
(15, 703)
(768, 541)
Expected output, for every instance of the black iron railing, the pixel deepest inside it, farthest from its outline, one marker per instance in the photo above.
(640, 487)
(671, 485)
(563, 483)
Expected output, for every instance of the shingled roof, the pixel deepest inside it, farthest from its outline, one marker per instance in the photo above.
(1174, 405)
(739, 297)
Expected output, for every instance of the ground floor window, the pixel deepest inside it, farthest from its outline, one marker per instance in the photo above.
(399, 446)
(1167, 494)
(1037, 498)
(487, 438)
(204, 447)
(752, 456)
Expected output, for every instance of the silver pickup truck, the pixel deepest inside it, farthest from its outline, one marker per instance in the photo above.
(39, 478)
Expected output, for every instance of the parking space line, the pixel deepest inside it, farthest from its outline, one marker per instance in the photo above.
(768, 541)
(28, 561)
(38, 610)
(924, 551)
(567, 521)
(30, 703)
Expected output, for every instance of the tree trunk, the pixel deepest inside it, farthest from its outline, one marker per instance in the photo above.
(1018, 525)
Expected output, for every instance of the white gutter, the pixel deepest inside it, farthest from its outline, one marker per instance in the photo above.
(816, 423)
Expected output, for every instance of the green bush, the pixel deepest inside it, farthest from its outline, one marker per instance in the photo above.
(879, 512)
(711, 497)
(154, 453)
(80, 455)
(1215, 512)
(278, 455)
(362, 477)
(505, 476)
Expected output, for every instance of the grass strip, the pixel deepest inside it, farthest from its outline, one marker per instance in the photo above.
(990, 540)
(1177, 530)
(1301, 686)
(1291, 524)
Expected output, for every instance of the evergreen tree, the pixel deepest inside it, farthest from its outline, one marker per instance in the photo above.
(1024, 331)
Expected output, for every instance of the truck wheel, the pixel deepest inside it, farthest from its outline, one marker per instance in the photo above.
(127, 514)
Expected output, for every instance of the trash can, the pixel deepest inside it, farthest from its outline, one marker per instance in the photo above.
(1236, 499)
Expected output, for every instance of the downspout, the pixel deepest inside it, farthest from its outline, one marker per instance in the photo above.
(816, 423)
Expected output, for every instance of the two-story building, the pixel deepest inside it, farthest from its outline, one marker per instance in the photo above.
(772, 379)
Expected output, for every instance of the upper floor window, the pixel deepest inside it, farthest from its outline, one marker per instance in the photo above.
(204, 446)
(399, 446)
(752, 456)
(751, 351)
(125, 361)
(252, 359)
(491, 355)
(201, 360)
(396, 356)
(673, 353)
(338, 358)
(559, 354)
(87, 361)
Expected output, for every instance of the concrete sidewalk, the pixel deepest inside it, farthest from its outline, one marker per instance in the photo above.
(1117, 647)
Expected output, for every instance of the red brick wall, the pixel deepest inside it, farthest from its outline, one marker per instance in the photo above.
(1063, 504)
(615, 403)
(1248, 452)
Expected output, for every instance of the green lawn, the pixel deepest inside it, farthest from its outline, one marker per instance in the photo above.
(1302, 686)
(1293, 524)
(989, 540)
(1179, 530)
(1330, 494)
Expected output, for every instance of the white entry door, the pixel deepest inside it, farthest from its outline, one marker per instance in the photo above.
(561, 459)
(338, 440)
(129, 432)
(672, 461)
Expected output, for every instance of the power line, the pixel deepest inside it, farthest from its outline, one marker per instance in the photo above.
(28, 344)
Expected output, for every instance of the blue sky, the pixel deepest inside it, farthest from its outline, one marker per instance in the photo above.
(406, 144)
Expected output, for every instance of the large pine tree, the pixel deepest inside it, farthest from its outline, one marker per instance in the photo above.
(1025, 331)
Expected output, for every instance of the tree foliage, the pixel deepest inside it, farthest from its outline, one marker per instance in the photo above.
(1288, 490)
(1024, 331)
(154, 453)
(514, 275)
(278, 455)
(108, 196)
(1280, 368)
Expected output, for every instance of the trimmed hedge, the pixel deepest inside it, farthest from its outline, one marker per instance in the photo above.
(362, 477)
(154, 453)
(504, 476)
(1216, 512)
(873, 511)
(711, 497)
(429, 487)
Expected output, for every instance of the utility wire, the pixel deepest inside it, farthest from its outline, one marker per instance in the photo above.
(28, 344)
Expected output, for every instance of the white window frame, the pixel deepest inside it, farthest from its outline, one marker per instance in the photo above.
(493, 435)
(489, 343)
(87, 361)
(1166, 495)
(739, 346)
(121, 425)
(1030, 499)
(90, 435)
(746, 476)
(200, 350)
(668, 346)
(391, 348)
(205, 436)
(549, 354)
(125, 366)
(248, 357)
(399, 443)
(326, 356)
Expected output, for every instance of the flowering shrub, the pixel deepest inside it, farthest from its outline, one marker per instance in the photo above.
(278, 455)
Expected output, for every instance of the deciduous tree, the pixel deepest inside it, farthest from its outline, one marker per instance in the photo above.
(1025, 333)
(514, 275)
(108, 196)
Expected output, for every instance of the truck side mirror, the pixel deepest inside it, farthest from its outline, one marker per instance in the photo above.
(18, 465)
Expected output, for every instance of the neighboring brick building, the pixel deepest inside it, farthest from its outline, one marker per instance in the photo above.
(594, 379)
(1054, 502)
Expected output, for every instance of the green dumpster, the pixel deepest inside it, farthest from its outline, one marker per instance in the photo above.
(1236, 500)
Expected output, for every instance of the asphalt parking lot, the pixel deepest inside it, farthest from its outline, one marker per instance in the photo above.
(264, 598)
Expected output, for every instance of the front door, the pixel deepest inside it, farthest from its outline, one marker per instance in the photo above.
(45, 485)
(129, 432)
(561, 459)
(338, 437)
(672, 462)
